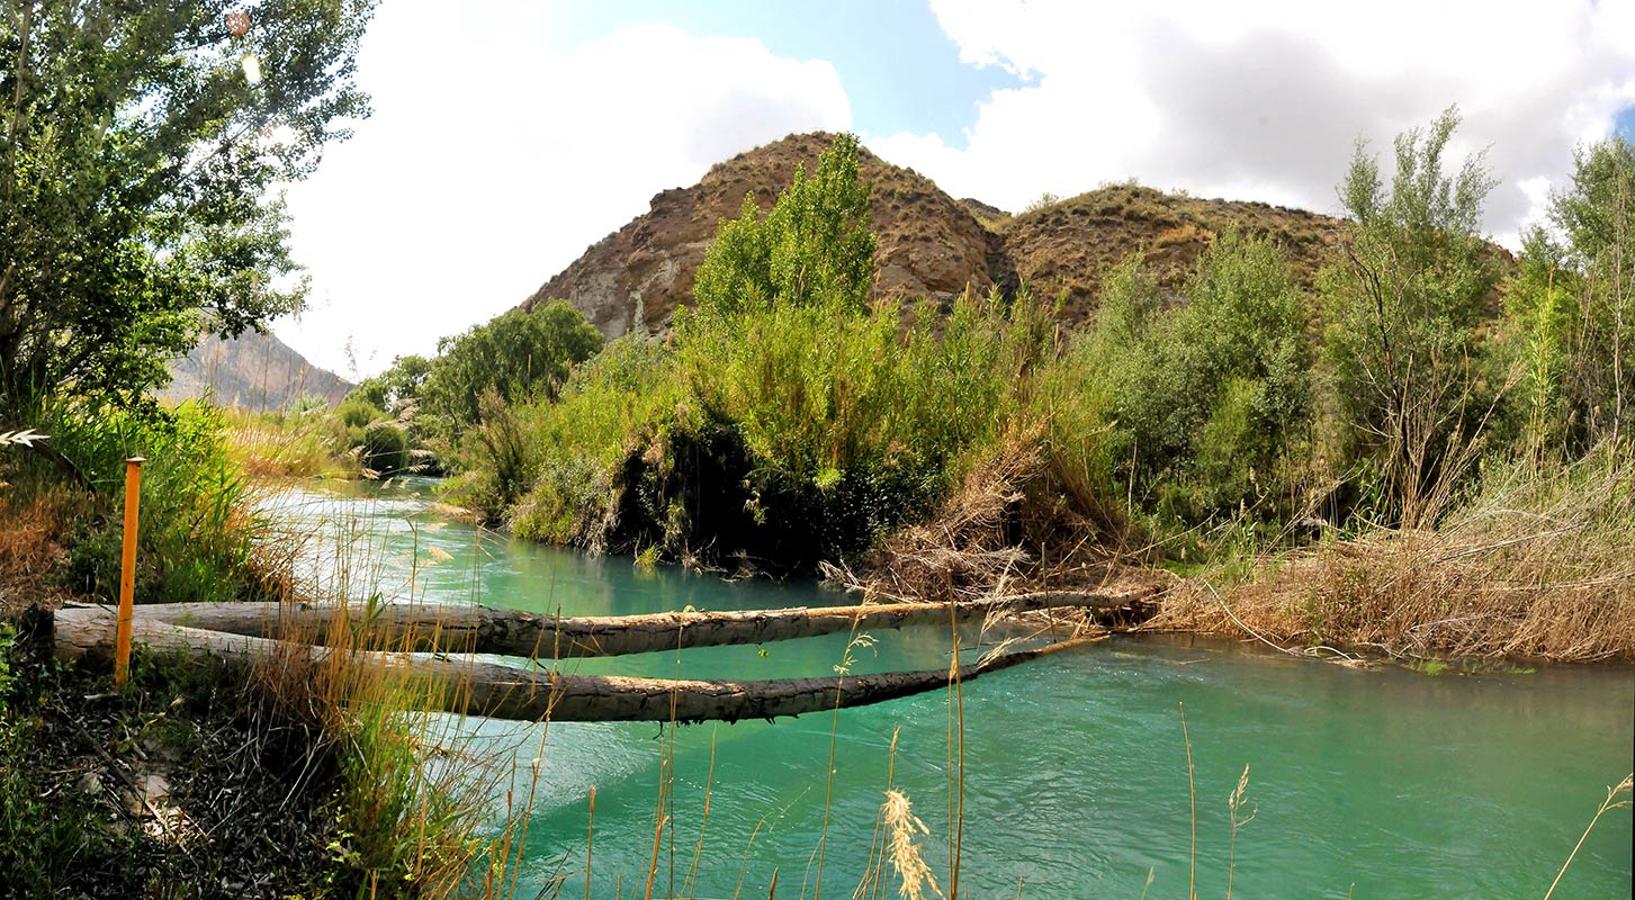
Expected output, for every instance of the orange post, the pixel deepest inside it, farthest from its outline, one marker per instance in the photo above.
(127, 570)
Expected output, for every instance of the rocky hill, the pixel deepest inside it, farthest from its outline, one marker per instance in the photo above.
(930, 245)
(253, 371)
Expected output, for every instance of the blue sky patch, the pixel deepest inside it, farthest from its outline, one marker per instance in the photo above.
(900, 72)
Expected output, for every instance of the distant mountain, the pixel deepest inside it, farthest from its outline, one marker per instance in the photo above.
(253, 371)
(930, 244)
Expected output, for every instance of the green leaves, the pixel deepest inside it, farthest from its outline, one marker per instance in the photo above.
(517, 355)
(1210, 396)
(813, 249)
(138, 169)
(1402, 315)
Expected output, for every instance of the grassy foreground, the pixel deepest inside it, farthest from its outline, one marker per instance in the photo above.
(196, 779)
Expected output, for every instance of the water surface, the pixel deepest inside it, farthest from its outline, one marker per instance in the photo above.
(1365, 783)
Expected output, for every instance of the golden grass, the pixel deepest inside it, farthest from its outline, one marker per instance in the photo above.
(1537, 565)
(33, 526)
(903, 830)
(287, 445)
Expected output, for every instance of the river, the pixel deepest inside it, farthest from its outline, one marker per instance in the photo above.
(1380, 782)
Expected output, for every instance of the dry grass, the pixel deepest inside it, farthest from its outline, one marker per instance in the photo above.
(33, 531)
(418, 798)
(1538, 565)
(903, 831)
(995, 532)
(287, 445)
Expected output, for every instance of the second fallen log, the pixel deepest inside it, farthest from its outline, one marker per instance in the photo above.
(512, 632)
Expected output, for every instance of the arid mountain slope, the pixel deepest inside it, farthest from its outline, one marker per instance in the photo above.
(930, 245)
(1065, 248)
(252, 371)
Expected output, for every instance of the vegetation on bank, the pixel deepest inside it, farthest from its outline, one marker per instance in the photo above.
(791, 419)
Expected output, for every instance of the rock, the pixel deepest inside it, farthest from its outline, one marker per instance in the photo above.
(90, 783)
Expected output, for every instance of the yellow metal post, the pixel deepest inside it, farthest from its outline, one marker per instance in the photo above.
(127, 570)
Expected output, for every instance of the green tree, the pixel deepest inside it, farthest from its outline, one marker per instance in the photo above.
(1597, 214)
(1403, 313)
(396, 390)
(140, 146)
(813, 249)
(1210, 396)
(1541, 315)
(519, 355)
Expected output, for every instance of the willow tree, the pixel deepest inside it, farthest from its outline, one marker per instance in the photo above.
(1404, 311)
(141, 146)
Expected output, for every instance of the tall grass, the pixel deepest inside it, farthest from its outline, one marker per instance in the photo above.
(199, 538)
(300, 443)
(424, 807)
(1535, 563)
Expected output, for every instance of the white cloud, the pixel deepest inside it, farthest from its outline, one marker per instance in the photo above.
(492, 160)
(1264, 101)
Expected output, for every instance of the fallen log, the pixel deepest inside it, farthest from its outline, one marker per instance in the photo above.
(472, 687)
(510, 632)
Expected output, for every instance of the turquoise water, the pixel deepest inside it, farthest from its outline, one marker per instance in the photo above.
(1365, 783)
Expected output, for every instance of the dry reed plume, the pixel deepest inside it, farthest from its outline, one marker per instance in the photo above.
(903, 830)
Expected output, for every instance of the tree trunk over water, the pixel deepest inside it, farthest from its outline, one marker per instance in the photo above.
(509, 632)
(471, 687)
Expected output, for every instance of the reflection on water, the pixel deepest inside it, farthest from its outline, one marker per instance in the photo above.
(1382, 782)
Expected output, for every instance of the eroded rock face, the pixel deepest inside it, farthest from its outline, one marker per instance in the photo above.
(930, 245)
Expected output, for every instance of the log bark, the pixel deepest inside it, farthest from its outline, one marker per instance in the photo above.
(472, 687)
(509, 632)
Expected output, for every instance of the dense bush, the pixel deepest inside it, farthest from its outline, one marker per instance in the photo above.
(1569, 322)
(198, 531)
(385, 447)
(518, 355)
(787, 419)
(1212, 398)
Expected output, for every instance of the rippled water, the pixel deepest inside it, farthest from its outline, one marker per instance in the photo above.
(1375, 783)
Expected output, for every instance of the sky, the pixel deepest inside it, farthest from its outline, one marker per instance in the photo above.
(507, 137)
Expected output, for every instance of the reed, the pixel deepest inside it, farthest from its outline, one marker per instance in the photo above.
(1534, 564)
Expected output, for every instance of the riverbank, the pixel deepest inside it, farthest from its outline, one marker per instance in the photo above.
(1093, 740)
(268, 781)
(1119, 692)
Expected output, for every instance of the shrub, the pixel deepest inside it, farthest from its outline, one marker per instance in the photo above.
(517, 355)
(1211, 398)
(198, 535)
(385, 448)
(1568, 318)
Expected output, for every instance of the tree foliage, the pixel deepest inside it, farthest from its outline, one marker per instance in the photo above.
(1209, 397)
(813, 249)
(396, 390)
(140, 146)
(1403, 312)
(518, 355)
